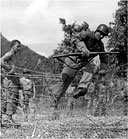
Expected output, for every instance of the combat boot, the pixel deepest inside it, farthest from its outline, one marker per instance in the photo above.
(80, 92)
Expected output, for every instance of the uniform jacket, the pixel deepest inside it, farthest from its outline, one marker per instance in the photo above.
(88, 41)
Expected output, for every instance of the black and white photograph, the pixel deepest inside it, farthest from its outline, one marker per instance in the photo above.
(63, 69)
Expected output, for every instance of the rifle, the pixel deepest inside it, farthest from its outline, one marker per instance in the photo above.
(79, 54)
(79, 65)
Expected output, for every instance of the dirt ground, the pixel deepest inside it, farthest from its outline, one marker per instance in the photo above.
(65, 124)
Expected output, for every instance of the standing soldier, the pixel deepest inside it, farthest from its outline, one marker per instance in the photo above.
(88, 41)
(11, 83)
(28, 92)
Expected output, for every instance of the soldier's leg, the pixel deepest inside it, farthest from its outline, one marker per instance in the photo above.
(26, 109)
(3, 104)
(62, 89)
(9, 104)
(66, 82)
(12, 103)
(78, 93)
(67, 75)
(84, 83)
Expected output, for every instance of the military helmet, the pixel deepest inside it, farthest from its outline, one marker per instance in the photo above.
(103, 29)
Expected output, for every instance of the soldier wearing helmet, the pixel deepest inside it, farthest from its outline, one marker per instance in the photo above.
(91, 42)
(88, 41)
(103, 29)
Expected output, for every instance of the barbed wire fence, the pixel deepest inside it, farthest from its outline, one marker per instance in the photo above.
(113, 89)
(51, 79)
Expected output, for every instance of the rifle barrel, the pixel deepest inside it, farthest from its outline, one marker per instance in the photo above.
(79, 54)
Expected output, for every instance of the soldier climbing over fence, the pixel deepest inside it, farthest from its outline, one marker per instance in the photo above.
(86, 42)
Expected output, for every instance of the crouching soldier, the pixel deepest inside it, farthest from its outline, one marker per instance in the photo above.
(28, 92)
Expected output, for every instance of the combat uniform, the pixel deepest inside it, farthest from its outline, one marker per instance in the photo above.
(93, 45)
(12, 96)
(11, 84)
(86, 40)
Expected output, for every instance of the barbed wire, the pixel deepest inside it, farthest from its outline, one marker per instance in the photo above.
(101, 125)
(33, 76)
(51, 77)
(10, 90)
(46, 74)
(17, 92)
(22, 89)
(41, 73)
(5, 100)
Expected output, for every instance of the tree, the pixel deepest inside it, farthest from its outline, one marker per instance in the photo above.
(118, 39)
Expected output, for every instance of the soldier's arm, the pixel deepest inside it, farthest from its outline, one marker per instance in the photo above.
(5, 66)
(80, 43)
(4, 61)
(12, 70)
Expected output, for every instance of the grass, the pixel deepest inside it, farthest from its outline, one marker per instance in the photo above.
(65, 124)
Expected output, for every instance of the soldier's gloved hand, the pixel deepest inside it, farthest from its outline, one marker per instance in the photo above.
(102, 72)
(85, 54)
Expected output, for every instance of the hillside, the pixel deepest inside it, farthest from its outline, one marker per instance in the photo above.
(28, 58)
